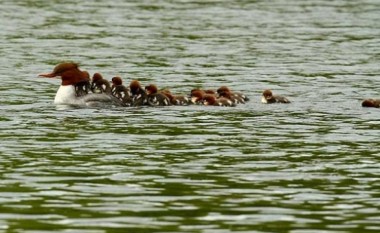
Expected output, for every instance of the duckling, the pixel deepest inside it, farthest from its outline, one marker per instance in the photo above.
(213, 101)
(82, 88)
(233, 94)
(138, 94)
(100, 85)
(155, 98)
(196, 96)
(372, 103)
(176, 99)
(234, 98)
(269, 98)
(120, 91)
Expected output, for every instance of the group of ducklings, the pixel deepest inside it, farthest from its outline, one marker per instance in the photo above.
(136, 95)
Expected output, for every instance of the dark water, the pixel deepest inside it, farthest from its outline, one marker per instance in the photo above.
(311, 166)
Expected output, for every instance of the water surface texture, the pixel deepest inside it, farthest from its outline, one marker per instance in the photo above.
(309, 166)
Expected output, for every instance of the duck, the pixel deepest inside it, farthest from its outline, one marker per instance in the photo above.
(204, 92)
(138, 94)
(372, 103)
(269, 98)
(71, 76)
(155, 98)
(224, 89)
(211, 100)
(236, 99)
(99, 84)
(176, 99)
(83, 87)
(196, 96)
(120, 91)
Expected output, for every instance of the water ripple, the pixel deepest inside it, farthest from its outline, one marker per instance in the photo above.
(305, 167)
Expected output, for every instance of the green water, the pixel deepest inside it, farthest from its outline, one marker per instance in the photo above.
(310, 166)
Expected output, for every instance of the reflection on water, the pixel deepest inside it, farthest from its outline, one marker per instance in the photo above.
(310, 166)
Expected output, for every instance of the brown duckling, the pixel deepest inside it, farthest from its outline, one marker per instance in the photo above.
(155, 98)
(100, 85)
(269, 98)
(371, 103)
(120, 91)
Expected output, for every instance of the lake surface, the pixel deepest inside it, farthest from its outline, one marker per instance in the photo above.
(309, 166)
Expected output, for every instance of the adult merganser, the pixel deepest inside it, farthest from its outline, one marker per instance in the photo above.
(269, 98)
(71, 77)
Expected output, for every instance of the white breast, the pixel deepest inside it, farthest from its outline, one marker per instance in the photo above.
(66, 95)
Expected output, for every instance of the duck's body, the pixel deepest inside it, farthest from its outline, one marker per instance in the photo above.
(66, 95)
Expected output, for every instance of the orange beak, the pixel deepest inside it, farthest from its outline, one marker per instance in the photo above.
(48, 75)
